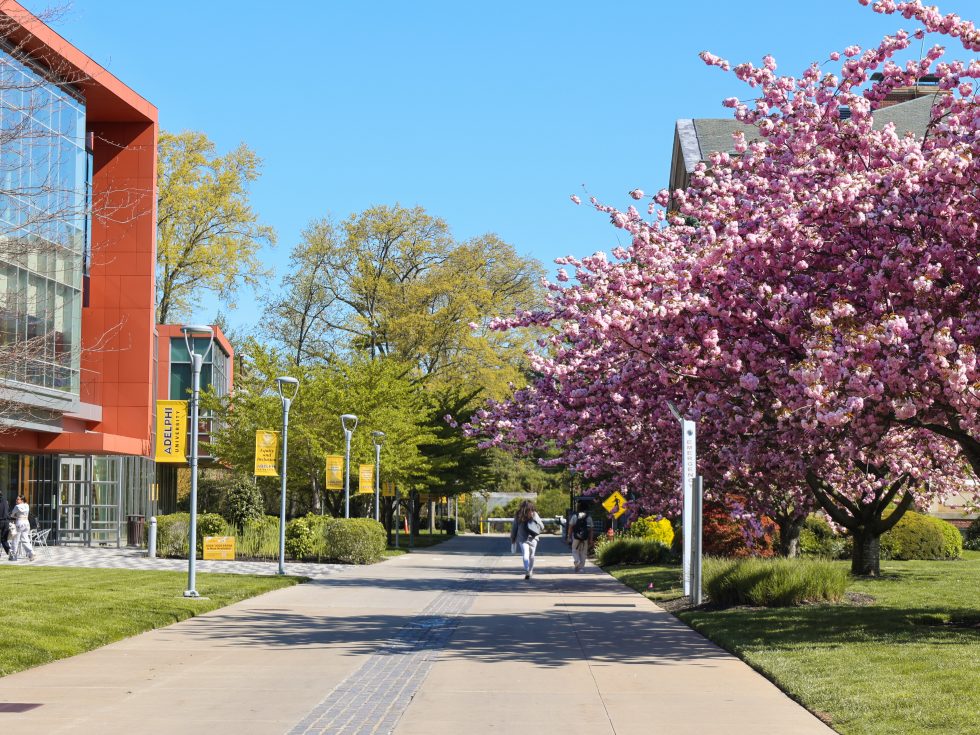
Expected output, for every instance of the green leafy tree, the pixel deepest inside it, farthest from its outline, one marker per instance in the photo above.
(378, 392)
(208, 236)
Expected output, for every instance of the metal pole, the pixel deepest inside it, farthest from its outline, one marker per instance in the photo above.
(377, 482)
(394, 515)
(696, 592)
(456, 521)
(282, 490)
(191, 591)
(347, 474)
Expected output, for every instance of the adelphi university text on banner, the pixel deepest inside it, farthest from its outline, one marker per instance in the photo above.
(335, 472)
(266, 450)
(366, 479)
(171, 431)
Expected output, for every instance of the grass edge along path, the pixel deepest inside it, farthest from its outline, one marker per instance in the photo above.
(58, 612)
(907, 662)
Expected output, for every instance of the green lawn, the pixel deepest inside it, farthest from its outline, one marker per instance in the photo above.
(908, 662)
(51, 613)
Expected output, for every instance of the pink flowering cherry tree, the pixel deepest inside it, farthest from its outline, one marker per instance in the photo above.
(812, 299)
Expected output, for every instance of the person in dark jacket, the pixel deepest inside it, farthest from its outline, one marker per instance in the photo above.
(5, 525)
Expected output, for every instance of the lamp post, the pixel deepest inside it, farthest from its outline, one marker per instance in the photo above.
(690, 507)
(288, 388)
(347, 418)
(197, 360)
(377, 437)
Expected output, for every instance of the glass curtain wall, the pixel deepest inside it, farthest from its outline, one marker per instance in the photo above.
(45, 174)
(83, 500)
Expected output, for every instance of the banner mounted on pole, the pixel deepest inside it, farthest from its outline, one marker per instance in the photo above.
(171, 431)
(366, 479)
(266, 451)
(335, 472)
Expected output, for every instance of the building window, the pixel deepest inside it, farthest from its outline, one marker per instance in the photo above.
(44, 225)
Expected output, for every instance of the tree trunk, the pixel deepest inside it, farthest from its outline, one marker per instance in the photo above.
(789, 535)
(866, 556)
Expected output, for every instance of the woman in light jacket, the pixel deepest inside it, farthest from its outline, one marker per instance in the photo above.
(20, 515)
(524, 532)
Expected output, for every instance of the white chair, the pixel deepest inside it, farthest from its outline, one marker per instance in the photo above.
(39, 537)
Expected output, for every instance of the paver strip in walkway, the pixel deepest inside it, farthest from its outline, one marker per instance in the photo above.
(373, 698)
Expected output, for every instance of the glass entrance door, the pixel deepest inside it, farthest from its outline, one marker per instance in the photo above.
(74, 501)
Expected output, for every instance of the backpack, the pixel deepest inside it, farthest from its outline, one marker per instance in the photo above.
(580, 531)
(534, 527)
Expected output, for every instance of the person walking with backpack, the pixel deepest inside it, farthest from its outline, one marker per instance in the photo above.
(524, 532)
(581, 534)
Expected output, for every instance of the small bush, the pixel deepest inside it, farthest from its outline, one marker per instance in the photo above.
(355, 540)
(242, 502)
(952, 540)
(306, 537)
(622, 550)
(654, 529)
(773, 582)
(918, 536)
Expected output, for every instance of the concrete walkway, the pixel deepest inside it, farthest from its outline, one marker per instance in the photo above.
(447, 640)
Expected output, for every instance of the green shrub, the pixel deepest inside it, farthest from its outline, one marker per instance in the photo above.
(972, 536)
(242, 502)
(172, 534)
(773, 582)
(817, 538)
(624, 550)
(654, 529)
(355, 540)
(918, 536)
(952, 540)
(306, 537)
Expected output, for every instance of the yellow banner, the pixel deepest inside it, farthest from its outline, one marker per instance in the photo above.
(266, 449)
(365, 479)
(171, 431)
(388, 489)
(335, 472)
(219, 547)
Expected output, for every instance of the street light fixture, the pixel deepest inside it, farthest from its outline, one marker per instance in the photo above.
(288, 388)
(347, 418)
(378, 438)
(191, 331)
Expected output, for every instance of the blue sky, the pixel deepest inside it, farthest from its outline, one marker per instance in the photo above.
(487, 114)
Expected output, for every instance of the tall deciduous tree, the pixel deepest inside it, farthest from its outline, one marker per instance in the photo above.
(208, 236)
(392, 281)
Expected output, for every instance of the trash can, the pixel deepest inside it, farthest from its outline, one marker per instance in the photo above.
(134, 530)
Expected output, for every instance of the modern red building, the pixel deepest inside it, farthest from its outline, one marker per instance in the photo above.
(77, 279)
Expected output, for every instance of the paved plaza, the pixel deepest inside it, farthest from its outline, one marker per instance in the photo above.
(445, 640)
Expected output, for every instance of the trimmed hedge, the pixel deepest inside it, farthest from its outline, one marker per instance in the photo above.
(631, 551)
(310, 538)
(773, 582)
(918, 536)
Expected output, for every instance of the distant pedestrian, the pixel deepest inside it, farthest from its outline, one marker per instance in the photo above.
(21, 515)
(5, 526)
(581, 534)
(524, 532)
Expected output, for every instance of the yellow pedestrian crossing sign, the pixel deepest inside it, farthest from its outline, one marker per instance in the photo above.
(615, 504)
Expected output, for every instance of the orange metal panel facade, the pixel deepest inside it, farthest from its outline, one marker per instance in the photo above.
(117, 361)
